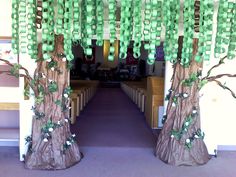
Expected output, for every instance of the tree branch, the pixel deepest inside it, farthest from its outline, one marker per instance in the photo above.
(215, 66)
(26, 75)
(21, 67)
(212, 78)
(225, 87)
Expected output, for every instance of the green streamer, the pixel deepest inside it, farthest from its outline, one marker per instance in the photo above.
(68, 16)
(137, 29)
(112, 26)
(59, 19)
(100, 22)
(224, 18)
(189, 18)
(15, 26)
(205, 30)
(32, 32)
(125, 26)
(76, 32)
(48, 29)
(22, 26)
(155, 30)
(171, 9)
(232, 43)
(87, 31)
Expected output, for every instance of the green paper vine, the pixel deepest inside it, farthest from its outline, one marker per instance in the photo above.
(52, 87)
(188, 121)
(58, 102)
(196, 135)
(69, 141)
(38, 115)
(28, 140)
(15, 70)
(39, 99)
(48, 128)
(192, 79)
(52, 64)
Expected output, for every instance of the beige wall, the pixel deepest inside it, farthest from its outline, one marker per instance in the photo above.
(5, 17)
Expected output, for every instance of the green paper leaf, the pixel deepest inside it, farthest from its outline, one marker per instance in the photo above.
(58, 102)
(40, 98)
(52, 87)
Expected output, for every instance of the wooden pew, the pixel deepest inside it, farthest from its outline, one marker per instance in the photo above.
(148, 95)
(83, 91)
(155, 99)
(136, 91)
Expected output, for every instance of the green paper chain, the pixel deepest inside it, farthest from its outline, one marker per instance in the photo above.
(68, 16)
(189, 21)
(47, 29)
(15, 26)
(205, 30)
(83, 25)
(93, 23)
(125, 26)
(32, 32)
(112, 26)
(155, 30)
(22, 26)
(171, 9)
(87, 7)
(76, 32)
(232, 43)
(59, 19)
(147, 24)
(100, 22)
(137, 29)
(224, 18)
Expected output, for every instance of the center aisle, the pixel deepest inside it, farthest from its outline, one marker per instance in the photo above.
(111, 119)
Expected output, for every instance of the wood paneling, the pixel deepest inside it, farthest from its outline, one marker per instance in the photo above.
(9, 106)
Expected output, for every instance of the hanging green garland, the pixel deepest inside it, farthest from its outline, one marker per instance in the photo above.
(100, 22)
(189, 18)
(68, 16)
(83, 25)
(76, 21)
(22, 26)
(147, 24)
(47, 29)
(87, 32)
(155, 30)
(225, 19)
(232, 44)
(171, 9)
(93, 23)
(81, 20)
(125, 26)
(32, 32)
(112, 26)
(15, 26)
(137, 29)
(59, 20)
(205, 30)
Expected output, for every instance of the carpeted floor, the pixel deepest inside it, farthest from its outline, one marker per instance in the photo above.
(120, 162)
(117, 143)
(112, 120)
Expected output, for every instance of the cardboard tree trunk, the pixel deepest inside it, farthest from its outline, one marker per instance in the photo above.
(173, 149)
(52, 154)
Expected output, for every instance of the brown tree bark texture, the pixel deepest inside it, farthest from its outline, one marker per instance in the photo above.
(173, 151)
(49, 155)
